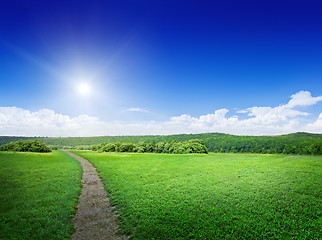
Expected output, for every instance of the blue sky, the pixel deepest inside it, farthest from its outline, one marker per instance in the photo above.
(160, 67)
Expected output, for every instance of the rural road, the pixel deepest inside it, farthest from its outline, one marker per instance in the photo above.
(95, 218)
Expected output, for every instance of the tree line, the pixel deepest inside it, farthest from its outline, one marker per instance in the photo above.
(175, 147)
(296, 143)
(312, 147)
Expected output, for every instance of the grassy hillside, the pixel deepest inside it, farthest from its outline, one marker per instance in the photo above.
(214, 196)
(38, 195)
(215, 142)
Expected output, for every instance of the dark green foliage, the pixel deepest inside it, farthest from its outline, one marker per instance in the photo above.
(25, 146)
(192, 146)
(296, 143)
(271, 145)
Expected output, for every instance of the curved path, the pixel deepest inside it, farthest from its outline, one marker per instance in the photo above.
(95, 218)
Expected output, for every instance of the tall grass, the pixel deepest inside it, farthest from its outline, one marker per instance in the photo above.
(215, 196)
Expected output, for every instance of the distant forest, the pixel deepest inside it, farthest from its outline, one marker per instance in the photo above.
(295, 143)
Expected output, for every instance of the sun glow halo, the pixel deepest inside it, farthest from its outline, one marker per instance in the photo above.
(84, 89)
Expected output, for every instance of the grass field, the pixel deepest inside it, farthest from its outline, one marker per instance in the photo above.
(215, 196)
(38, 193)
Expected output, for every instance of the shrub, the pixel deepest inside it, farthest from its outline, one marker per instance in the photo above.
(176, 147)
(25, 146)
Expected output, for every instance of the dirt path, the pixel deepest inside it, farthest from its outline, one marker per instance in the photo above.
(95, 218)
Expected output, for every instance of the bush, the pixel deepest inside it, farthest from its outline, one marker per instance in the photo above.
(25, 146)
(84, 147)
(53, 147)
(176, 147)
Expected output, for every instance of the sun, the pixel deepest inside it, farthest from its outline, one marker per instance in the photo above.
(84, 89)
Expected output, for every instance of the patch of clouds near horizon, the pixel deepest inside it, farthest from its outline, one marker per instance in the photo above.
(260, 121)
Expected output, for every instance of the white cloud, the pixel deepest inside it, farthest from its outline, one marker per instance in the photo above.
(282, 113)
(303, 98)
(315, 126)
(260, 121)
(137, 110)
(242, 111)
(45, 122)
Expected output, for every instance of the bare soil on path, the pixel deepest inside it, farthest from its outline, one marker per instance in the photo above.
(95, 218)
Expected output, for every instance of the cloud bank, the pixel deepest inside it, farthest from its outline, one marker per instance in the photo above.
(259, 121)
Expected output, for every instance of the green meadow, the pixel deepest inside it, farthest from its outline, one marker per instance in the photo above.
(38, 195)
(214, 196)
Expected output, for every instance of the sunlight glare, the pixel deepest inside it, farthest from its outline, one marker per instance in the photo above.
(84, 89)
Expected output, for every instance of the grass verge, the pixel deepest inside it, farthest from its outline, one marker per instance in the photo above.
(38, 195)
(215, 196)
